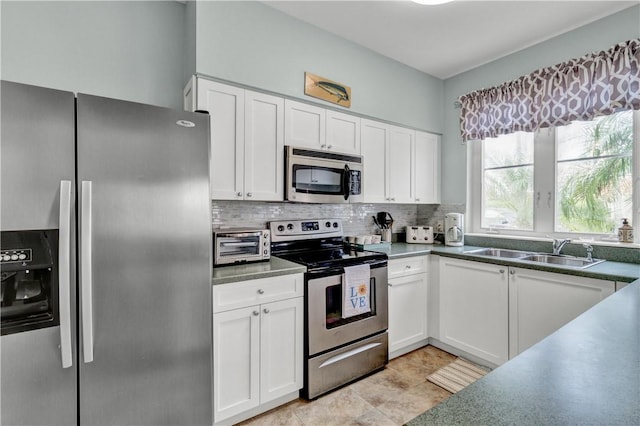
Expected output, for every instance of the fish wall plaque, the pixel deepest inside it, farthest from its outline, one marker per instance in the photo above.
(327, 90)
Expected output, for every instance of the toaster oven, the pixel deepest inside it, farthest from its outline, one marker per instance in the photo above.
(241, 245)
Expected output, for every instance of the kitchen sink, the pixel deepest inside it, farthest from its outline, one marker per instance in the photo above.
(574, 262)
(497, 252)
(549, 259)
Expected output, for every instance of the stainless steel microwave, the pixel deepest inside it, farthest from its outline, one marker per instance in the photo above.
(315, 176)
(241, 245)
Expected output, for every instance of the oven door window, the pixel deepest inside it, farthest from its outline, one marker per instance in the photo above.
(333, 302)
(231, 246)
(318, 180)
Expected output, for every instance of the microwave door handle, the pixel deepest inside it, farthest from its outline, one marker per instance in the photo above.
(346, 182)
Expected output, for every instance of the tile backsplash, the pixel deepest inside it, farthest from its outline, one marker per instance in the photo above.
(356, 218)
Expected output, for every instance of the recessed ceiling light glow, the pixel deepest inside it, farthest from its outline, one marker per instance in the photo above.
(431, 2)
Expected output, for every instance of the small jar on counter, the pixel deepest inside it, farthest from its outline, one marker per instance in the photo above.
(625, 232)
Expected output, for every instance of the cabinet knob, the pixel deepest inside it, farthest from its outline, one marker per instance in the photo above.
(260, 291)
(256, 313)
(329, 146)
(407, 266)
(239, 194)
(502, 271)
(323, 146)
(417, 199)
(265, 310)
(512, 271)
(393, 199)
(390, 285)
(249, 194)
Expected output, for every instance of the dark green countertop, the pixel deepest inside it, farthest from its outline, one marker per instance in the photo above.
(251, 271)
(588, 372)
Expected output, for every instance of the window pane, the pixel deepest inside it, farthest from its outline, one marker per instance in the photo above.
(594, 182)
(508, 150)
(508, 198)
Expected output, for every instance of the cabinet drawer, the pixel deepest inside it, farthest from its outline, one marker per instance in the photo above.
(407, 266)
(252, 292)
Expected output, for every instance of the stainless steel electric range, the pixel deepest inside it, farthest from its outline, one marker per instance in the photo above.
(345, 338)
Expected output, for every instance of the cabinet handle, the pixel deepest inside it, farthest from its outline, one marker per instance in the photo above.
(390, 285)
(265, 310)
(249, 194)
(512, 271)
(260, 291)
(323, 146)
(256, 313)
(329, 146)
(393, 199)
(239, 194)
(502, 271)
(417, 199)
(407, 266)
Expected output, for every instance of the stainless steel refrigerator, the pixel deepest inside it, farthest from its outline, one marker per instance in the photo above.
(106, 238)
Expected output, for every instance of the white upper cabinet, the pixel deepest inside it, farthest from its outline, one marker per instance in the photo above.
(343, 132)
(400, 165)
(375, 137)
(315, 127)
(401, 141)
(263, 147)
(427, 168)
(305, 125)
(247, 140)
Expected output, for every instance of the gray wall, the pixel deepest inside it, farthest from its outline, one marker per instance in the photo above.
(255, 45)
(599, 35)
(126, 50)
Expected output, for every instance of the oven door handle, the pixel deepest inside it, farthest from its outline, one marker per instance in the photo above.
(349, 354)
(86, 262)
(64, 273)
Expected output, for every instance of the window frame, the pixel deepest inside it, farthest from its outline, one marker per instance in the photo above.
(545, 204)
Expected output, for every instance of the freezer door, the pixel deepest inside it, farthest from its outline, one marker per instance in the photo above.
(145, 264)
(38, 138)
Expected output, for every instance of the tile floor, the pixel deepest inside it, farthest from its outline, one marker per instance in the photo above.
(390, 397)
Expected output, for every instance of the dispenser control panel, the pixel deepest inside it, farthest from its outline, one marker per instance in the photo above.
(15, 255)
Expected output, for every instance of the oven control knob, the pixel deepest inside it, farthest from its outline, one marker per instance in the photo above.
(14, 257)
(290, 226)
(328, 224)
(22, 256)
(335, 224)
(415, 238)
(280, 228)
(6, 258)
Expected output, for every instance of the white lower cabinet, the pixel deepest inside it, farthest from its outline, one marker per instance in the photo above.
(408, 289)
(495, 312)
(542, 302)
(474, 308)
(257, 348)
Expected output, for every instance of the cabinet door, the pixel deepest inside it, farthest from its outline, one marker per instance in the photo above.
(427, 168)
(236, 362)
(407, 311)
(304, 125)
(226, 110)
(343, 133)
(542, 302)
(474, 308)
(375, 137)
(400, 165)
(281, 346)
(263, 147)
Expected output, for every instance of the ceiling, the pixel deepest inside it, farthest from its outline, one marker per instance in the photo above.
(448, 39)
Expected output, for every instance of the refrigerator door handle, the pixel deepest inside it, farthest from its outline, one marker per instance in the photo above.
(64, 273)
(86, 284)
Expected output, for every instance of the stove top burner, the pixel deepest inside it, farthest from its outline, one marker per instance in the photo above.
(317, 259)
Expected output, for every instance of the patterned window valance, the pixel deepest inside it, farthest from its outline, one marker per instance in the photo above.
(580, 89)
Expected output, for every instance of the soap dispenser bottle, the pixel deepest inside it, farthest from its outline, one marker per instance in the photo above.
(625, 232)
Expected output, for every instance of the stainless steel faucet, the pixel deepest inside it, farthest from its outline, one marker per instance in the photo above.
(589, 248)
(558, 243)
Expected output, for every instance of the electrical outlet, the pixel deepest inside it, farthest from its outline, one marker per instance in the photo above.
(440, 226)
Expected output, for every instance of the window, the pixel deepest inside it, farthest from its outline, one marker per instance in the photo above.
(574, 179)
